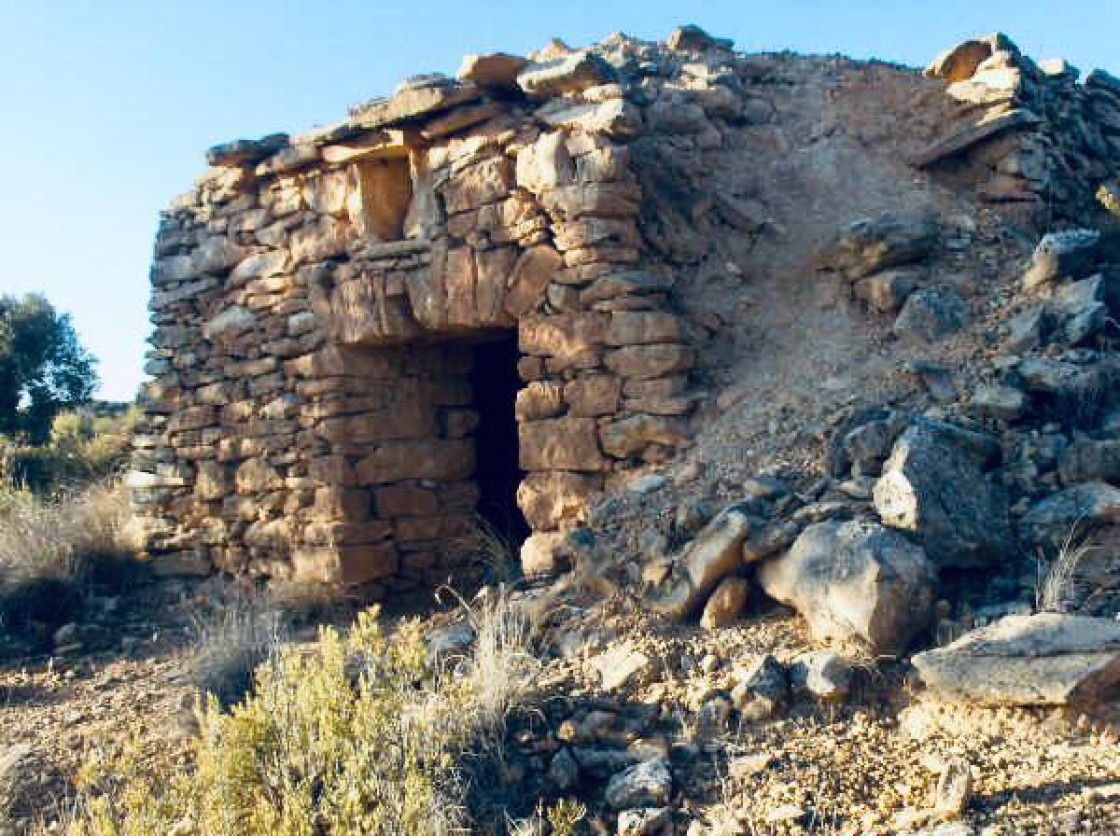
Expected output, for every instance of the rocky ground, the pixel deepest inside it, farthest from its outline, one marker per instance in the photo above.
(750, 746)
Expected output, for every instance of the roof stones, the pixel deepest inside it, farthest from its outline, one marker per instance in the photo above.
(413, 102)
(241, 152)
(495, 70)
(564, 76)
(986, 128)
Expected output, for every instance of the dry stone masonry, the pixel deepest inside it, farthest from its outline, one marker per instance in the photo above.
(317, 302)
(331, 309)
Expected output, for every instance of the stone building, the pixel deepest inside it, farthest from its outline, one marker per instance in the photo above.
(368, 335)
(488, 297)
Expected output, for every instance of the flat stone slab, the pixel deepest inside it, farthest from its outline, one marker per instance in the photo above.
(974, 134)
(1028, 660)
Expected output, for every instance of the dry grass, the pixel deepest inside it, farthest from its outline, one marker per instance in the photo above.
(492, 551)
(52, 550)
(233, 637)
(1055, 592)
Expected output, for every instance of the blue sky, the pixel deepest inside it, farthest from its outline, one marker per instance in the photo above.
(109, 104)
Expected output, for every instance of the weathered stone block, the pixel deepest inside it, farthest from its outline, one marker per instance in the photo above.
(439, 459)
(649, 361)
(405, 501)
(592, 395)
(642, 327)
(561, 335)
(341, 504)
(555, 499)
(560, 444)
(540, 399)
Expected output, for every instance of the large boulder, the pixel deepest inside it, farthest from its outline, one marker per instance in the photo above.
(855, 580)
(1042, 659)
(933, 486)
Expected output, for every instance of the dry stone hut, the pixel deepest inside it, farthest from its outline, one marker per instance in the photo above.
(499, 295)
(369, 334)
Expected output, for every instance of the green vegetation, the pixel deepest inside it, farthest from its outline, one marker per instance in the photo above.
(43, 367)
(359, 733)
(62, 519)
(83, 446)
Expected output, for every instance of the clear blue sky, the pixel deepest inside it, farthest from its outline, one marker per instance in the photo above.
(109, 104)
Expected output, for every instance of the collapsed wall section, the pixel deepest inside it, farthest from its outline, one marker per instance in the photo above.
(315, 302)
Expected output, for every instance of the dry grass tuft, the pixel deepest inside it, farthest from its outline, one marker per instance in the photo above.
(239, 632)
(1055, 592)
(53, 550)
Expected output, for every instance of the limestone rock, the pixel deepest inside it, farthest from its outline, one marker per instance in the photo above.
(647, 784)
(1077, 312)
(620, 666)
(411, 101)
(647, 821)
(855, 580)
(563, 771)
(560, 444)
(569, 74)
(1043, 659)
(1061, 254)
(1072, 512)
(542, 553)
(962, 61)
(874, 244)
(712, 555)
(726, 603)
(553, 499)
(1001, 403)
(630, 436)
(954, 789)
(240, 152)
(1090, 460)
(823, 673)
(495, 70)
(939, 493)
(691, 38)
(984, 129)
(930, 315)
(887, 291)
(761, 692)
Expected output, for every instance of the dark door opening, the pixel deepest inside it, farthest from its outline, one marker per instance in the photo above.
(495, 383)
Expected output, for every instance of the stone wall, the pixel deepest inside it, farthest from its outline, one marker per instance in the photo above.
(1029, 135)
(315, 300)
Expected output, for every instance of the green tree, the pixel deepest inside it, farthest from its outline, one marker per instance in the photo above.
(43, 367)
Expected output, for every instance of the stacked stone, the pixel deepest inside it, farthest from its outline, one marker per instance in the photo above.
(314, 300)
(1037, 136)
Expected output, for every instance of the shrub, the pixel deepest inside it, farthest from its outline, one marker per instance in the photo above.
(83, 447)
(362, 733)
